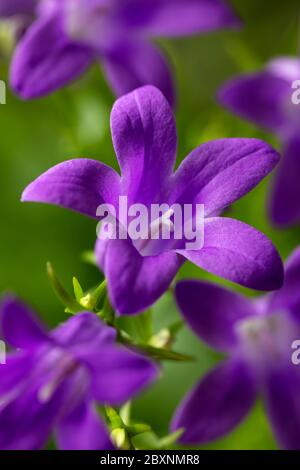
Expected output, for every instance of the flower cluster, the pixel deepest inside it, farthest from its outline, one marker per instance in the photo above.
(75, 382)
(265, 98)
(52, 381)
(257, 336)
(66, 36)
(144, 137)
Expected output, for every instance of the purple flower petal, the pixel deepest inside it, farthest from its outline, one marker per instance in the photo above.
(212, 312)
(182, 17)
(117, 374)
(84, 329)
(12, 372)
(260, 98)
(288, 297)
(211, 174)
(240, 253)
(45, 59)
(130, 64)
(136, 282)
(100, 252)
(285, 204)
(286, 67)
(19, 326)
(25, 421)
(282, 402)
(83, 429)
(144, 136)
(217, 404)
(81, 185)
(17, 7)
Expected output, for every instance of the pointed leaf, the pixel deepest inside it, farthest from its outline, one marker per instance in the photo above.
(61, 293)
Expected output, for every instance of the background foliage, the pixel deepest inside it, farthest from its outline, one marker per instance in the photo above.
(75, 122)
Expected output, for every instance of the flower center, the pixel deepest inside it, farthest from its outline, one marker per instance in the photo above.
(160, 229)
(267, 339)
(63, 368)
(292, 112)
(86, 22)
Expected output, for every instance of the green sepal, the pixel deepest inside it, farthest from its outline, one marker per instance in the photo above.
(78, 291)
(95, 297)
(72, 306)
(149, 441)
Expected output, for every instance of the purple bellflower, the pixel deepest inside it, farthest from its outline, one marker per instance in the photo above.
(216, 174)
(257, 335)
(265, 98)
(52, 380)
(69, 35)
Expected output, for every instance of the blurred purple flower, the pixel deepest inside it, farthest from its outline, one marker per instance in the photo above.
(69, 35)
(52, 381)
(9, 8)
(265, 98)
(257, 335)
(215, 174)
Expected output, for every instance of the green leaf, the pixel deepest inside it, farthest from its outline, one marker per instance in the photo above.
(146, 441)
(168, 441)
(176, 327)
(149, 440)
(120, 438)
(107, 313)
(160, 354)
(125, 412)
(113, 418)
(136, 429)
(78, 292)
(89, 257)
(142, 325)
(72, 305)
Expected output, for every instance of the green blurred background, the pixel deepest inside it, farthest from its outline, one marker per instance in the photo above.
(75, 122)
